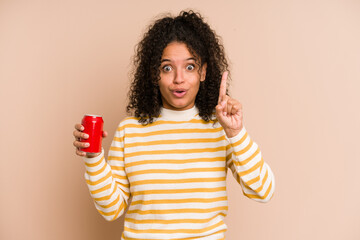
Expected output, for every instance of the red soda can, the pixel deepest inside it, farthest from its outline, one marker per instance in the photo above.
(93, 126)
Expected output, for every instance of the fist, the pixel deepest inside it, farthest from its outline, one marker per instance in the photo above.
(79, 135)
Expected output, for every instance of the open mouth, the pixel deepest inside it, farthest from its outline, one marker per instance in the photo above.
(179, 93)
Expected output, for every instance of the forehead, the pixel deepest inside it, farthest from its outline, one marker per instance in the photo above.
(176, 51)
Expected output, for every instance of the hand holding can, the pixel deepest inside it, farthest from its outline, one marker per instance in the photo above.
(88, 136)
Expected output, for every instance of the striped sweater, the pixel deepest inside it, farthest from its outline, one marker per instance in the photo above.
(175, 170)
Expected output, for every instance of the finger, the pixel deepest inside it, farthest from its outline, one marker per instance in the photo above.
(80, 153)
(234, 109)
(230, 105)
(80, 135)
(79, 127)
(81, 144)
(235, 106)
(219, 112)
(225, 105)
(222, 91)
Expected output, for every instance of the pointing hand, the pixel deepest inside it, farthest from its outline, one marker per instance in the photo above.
(229, 111)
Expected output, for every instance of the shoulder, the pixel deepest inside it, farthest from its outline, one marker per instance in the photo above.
(128, 121)
(133, 122)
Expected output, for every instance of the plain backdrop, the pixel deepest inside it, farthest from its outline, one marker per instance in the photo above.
(295, 67)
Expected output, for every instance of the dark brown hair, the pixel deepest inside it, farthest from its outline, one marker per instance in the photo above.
(189, 28)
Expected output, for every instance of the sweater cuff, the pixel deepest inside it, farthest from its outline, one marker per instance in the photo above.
(93, 160)
(239, 138)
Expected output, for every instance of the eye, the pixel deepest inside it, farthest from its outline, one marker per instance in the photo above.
(190, 67)
(166, 68)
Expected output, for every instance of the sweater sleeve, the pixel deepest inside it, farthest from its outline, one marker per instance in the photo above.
(249, 169)
(107, 180)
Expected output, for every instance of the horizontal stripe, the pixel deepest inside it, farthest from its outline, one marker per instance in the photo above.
(228, 147)
(118, 149)
(181, 210)
(118, 139)
(253, 196)
(240, 141)
(245, 149)
(117, 168)
(106, 213)
(121, 207)
(139, 170)
(175, 151)
(177, 181)
(116, 158)
(119, 210)
(172, 221)
(190, 238)
(94, 164)
(92, 183)
(97, 172)
(176, 171)
(169, 231)
(121, 175)
(172, 161)
(253, 168)
(242, 163)
(104, 188)
(252, 181)
(173, 131)
(174, 191)
(113, 203)
(159, 122)
(176, 201)
(124, 185)
(262, 183)
(107, 197)
(175, 141)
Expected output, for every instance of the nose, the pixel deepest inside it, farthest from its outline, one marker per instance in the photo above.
(179, 77)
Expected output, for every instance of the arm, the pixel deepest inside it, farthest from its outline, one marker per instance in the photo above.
(249, 168)
(107, 180)
(245, 159)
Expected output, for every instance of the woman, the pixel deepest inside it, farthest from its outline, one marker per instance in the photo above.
(171, 157)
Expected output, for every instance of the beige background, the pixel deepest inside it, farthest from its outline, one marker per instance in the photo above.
(295, 68)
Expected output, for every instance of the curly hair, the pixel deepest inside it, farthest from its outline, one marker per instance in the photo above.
(189, 28)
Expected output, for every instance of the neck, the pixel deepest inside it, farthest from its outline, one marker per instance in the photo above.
(182, 115)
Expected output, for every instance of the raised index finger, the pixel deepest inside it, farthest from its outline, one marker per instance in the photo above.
(222, 91)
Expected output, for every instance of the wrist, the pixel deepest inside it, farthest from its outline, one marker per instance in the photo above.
(93, 158)
(92, 155)
(232, 133)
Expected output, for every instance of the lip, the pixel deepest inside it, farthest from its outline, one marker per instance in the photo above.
(180, 92)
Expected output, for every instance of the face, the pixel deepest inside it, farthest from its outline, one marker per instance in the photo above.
(179, 77)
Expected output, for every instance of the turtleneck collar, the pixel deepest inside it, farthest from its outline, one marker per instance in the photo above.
(183, 115)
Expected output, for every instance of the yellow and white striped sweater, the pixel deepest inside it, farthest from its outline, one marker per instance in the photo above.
(175, 171)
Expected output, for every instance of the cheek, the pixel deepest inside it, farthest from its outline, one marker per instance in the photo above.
(196, 83)
(195, 88)
(163, 87)
(162, 83)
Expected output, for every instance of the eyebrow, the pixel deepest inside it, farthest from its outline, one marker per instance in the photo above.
(168, 60)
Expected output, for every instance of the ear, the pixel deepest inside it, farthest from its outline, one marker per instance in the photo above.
(203, 72)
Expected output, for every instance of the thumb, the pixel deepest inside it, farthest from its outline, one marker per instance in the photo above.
(105, 134)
